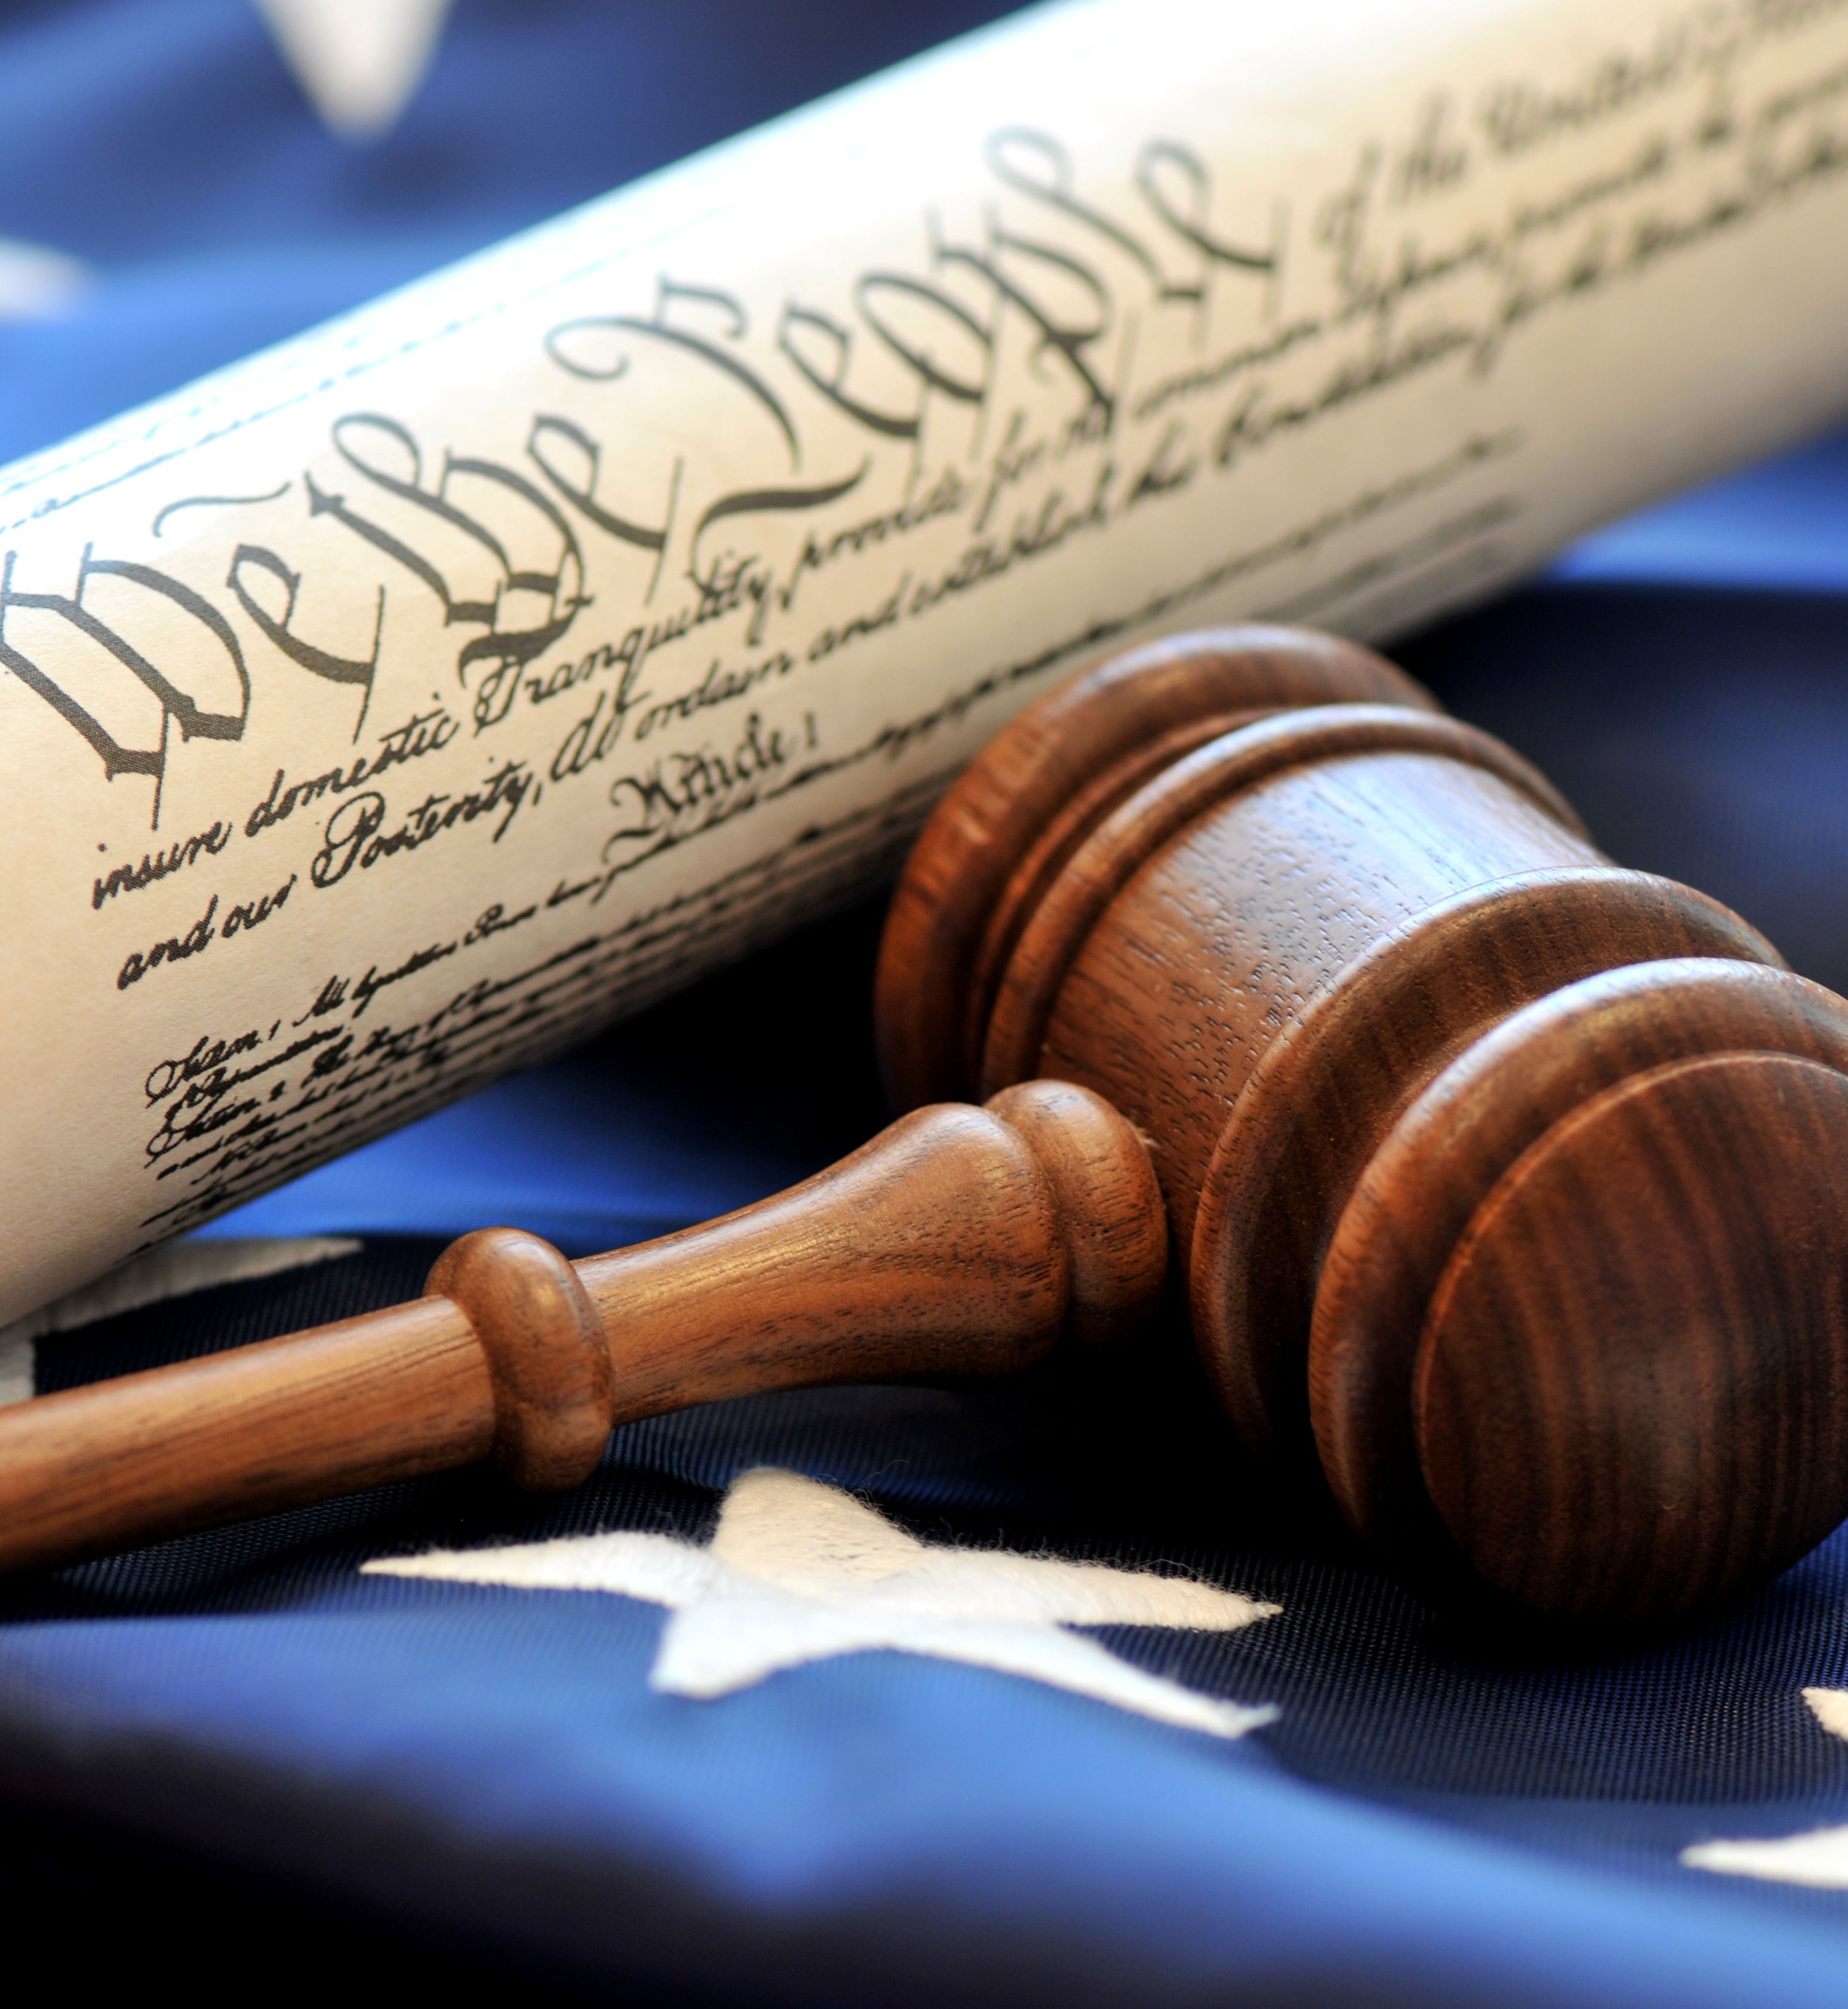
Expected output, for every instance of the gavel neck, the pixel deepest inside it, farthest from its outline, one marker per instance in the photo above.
(960, 1241)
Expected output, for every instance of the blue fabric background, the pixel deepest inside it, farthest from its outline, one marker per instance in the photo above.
(289, 1756)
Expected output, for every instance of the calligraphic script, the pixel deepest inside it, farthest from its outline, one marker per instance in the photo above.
(394, 708)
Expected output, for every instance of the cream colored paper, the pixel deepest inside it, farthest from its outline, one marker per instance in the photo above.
(400, 704)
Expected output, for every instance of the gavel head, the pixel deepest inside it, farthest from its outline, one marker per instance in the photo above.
(1512, 1184)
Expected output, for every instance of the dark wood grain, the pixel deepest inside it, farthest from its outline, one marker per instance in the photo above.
(1000, 808)
(1329, 1084)
(1637, 1404)
(1393, 1027)
(1442, 1155)
(960, 1241)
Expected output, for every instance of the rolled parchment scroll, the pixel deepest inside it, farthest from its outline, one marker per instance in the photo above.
(401, 704)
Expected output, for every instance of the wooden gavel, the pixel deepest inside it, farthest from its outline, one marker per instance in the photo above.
(1511, 1184)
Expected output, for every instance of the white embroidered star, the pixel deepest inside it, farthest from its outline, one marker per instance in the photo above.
(359, 61)
(1818, 1857)
(798, 1572)
(35, 283)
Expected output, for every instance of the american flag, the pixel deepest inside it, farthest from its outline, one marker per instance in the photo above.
(1122, 1724)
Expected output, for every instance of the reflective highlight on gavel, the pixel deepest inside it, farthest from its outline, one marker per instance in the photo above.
(1504, 1185)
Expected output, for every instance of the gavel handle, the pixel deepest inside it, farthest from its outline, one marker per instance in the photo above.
(960, 1241)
